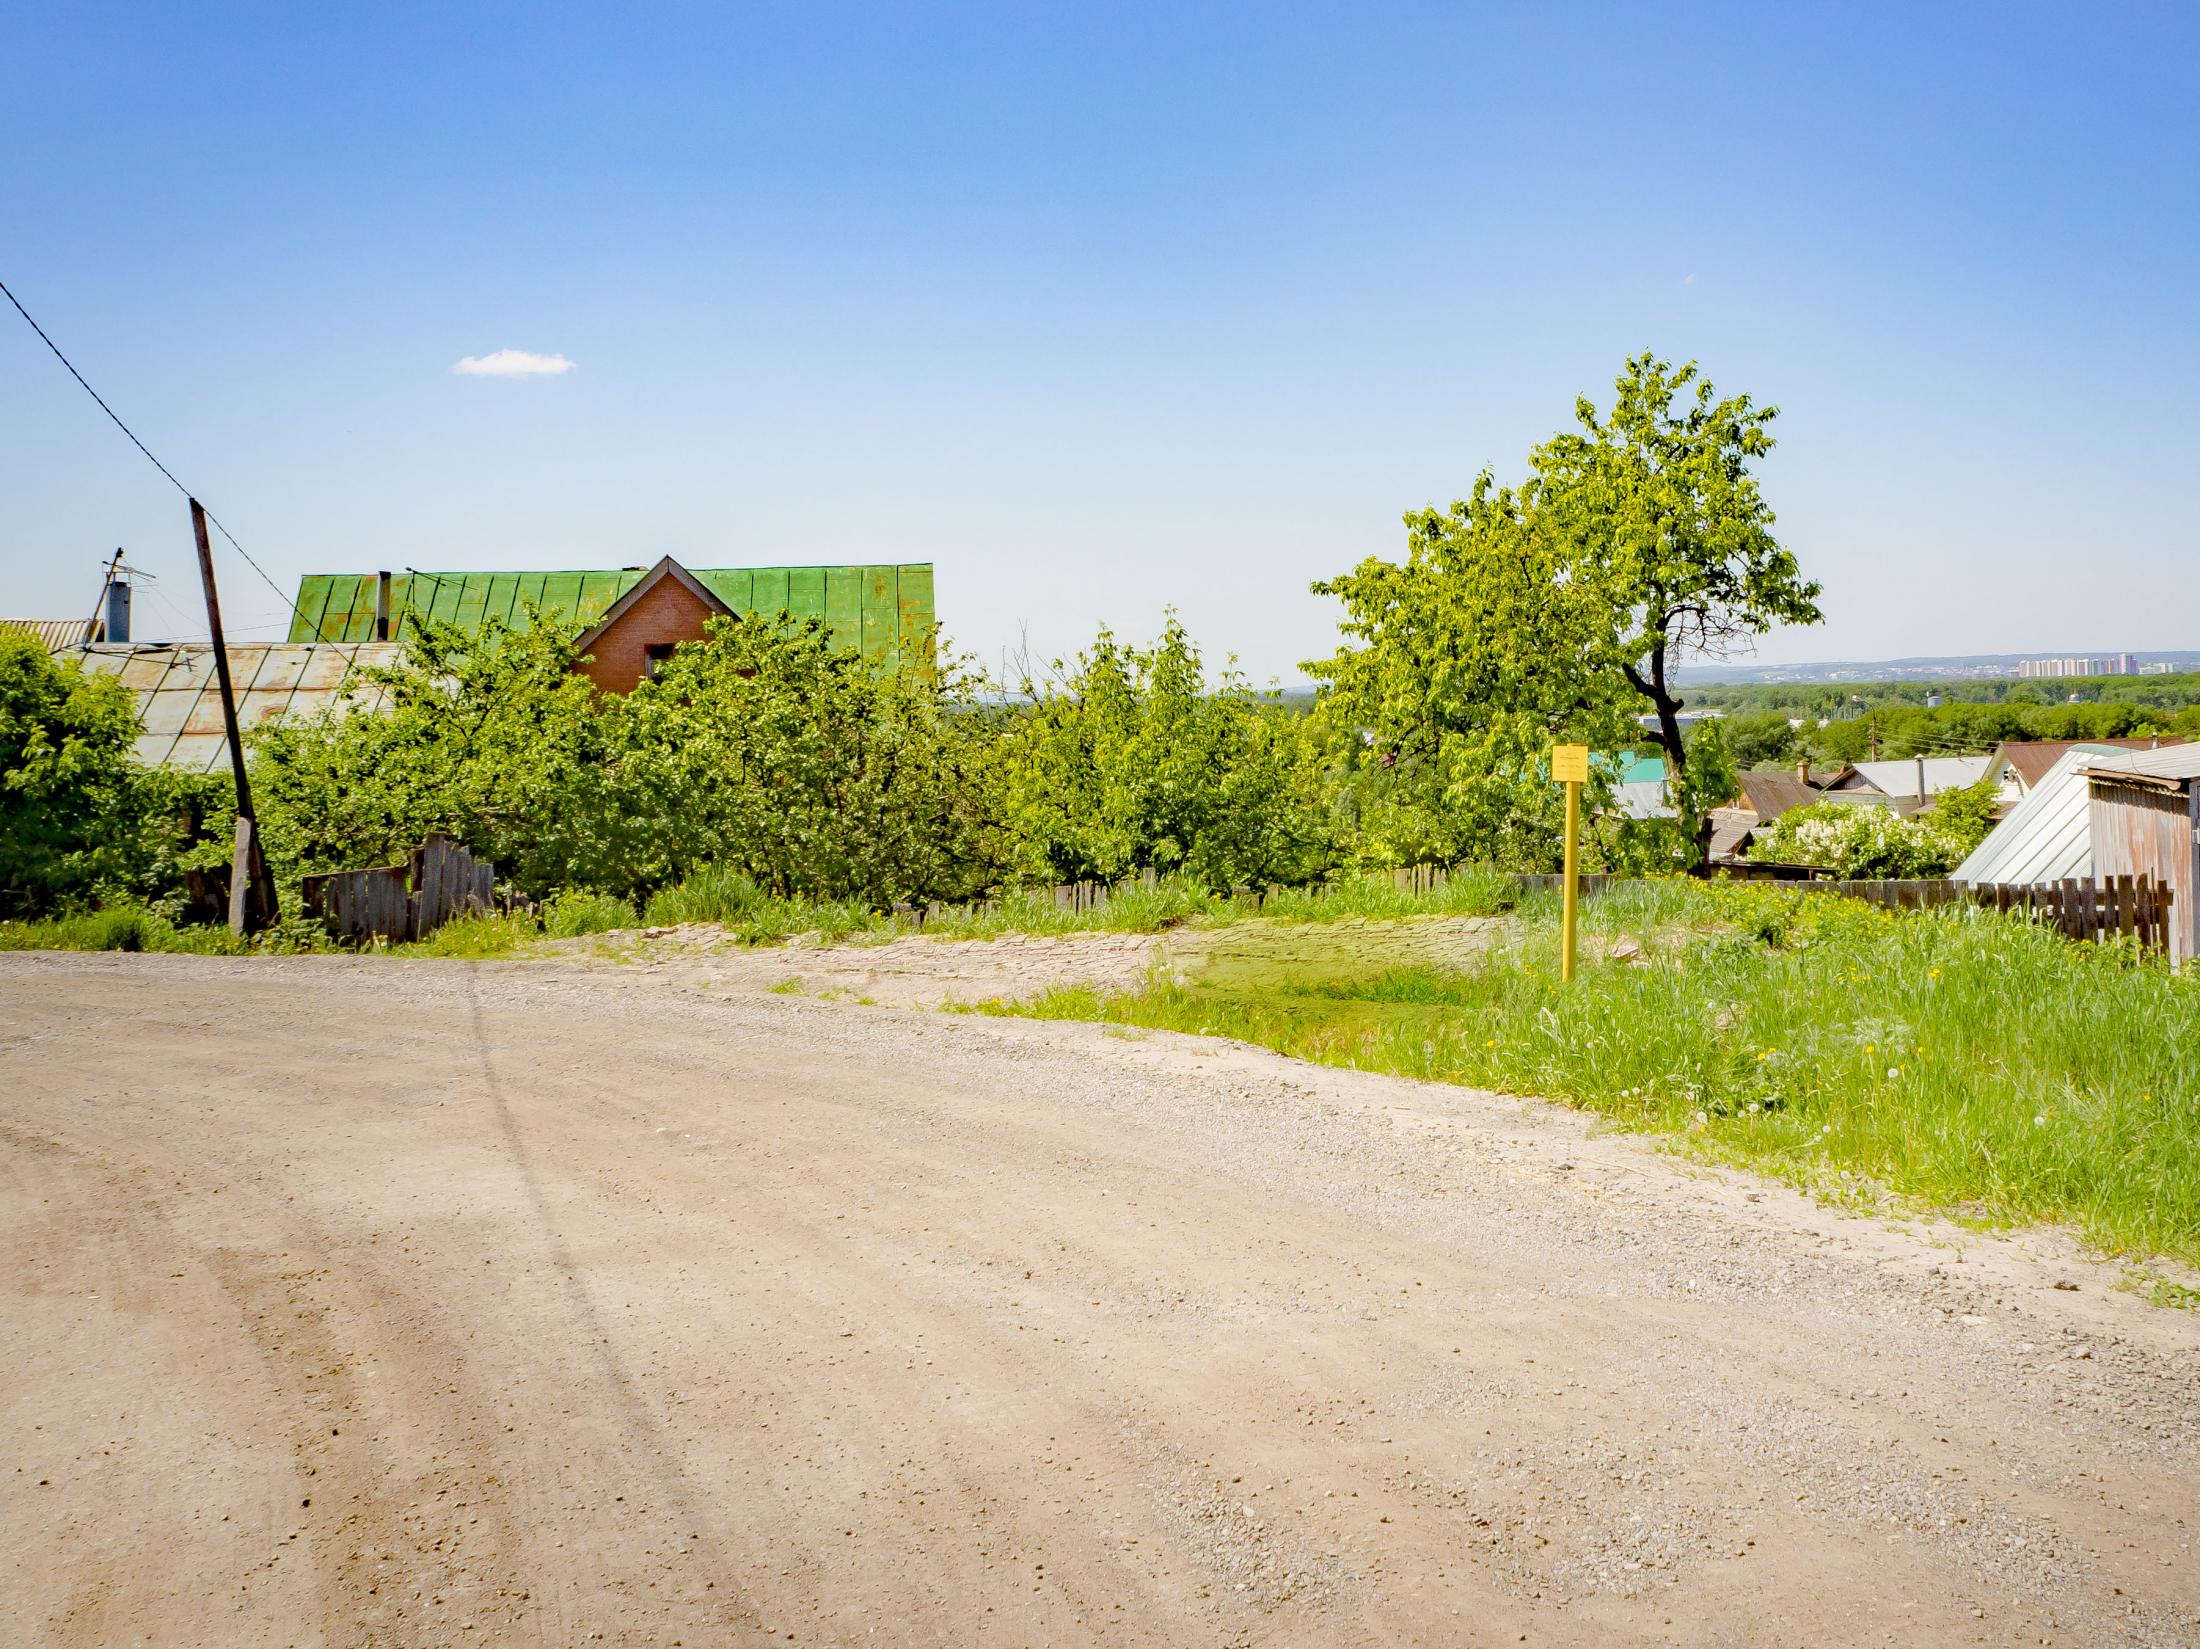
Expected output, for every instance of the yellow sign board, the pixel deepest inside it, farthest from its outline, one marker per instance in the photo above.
(1570, 763)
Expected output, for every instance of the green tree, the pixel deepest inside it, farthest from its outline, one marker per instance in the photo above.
(770, 751)
(1760, 741)
(476, 735)
(1127, 760)
(80, 819)
(1656, 518)
(1562, 609)
(1462, 665)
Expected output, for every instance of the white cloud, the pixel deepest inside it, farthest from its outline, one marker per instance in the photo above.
(512, 363)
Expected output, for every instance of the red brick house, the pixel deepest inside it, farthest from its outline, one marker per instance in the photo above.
(667, 606)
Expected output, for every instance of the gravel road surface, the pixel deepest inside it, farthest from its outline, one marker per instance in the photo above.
(357, 1302)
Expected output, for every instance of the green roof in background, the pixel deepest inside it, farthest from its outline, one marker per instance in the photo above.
(884, 611)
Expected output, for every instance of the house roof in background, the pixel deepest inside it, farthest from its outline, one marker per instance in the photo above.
(667, 568)
(1771, 792)
(179, 703)
(2032, 758)
(1731, 829)
(2049, 834)
(1899, 778)
(883, 611)
(1632, 767)
(59, 634)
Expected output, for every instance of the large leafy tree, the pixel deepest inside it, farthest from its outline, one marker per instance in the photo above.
(1562, 609)
(1655, 512)
(1462, 665)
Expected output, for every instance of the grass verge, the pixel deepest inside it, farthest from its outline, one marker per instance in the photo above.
(1957, 1058)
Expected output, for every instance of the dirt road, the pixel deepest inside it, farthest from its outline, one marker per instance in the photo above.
(368, 1303)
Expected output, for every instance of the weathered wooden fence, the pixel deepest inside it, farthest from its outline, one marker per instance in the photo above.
(2134, 907)
(398, 902)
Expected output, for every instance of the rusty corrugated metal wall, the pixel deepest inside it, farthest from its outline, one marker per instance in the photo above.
(2152, 830)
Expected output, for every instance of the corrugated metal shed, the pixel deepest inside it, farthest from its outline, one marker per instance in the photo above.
(884, 611)
(1899, 778)
(59, 634)
(179, 701)
(2048, 835)
(2020, 764)
(2147, 825)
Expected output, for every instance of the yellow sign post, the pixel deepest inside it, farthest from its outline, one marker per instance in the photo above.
(1570, 767)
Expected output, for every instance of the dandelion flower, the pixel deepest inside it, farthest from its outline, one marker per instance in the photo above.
(2039, 1122)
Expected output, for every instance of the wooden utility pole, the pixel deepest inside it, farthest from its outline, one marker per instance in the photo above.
(99, 606)
(251, 888)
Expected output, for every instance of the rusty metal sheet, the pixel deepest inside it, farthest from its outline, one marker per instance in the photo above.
(179, 707)
(59, 634)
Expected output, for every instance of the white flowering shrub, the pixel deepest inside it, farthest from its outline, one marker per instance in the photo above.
(1857, 839)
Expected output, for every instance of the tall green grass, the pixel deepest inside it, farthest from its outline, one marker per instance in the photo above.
(1960, 1058)
(579, 911)
(736, 903)
(118, 927)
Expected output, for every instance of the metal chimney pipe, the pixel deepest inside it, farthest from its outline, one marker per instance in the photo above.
(382, 606)
(118, 610)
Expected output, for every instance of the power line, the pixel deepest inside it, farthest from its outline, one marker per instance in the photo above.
(148, 451)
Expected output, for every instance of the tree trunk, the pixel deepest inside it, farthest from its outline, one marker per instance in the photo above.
(1668, 710)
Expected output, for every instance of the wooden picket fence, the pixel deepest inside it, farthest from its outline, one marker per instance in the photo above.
(438, 881)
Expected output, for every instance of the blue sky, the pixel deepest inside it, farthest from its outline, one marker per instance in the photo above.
(1101, 309)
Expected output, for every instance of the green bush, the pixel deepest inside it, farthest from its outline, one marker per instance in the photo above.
(1860, 839)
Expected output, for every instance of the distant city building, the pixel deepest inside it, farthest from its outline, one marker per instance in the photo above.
(2116, 664)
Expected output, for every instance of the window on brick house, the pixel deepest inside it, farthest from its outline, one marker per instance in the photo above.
(655, 656)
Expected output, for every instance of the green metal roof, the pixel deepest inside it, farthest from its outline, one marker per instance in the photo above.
(884, 611)
(1636, 767)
